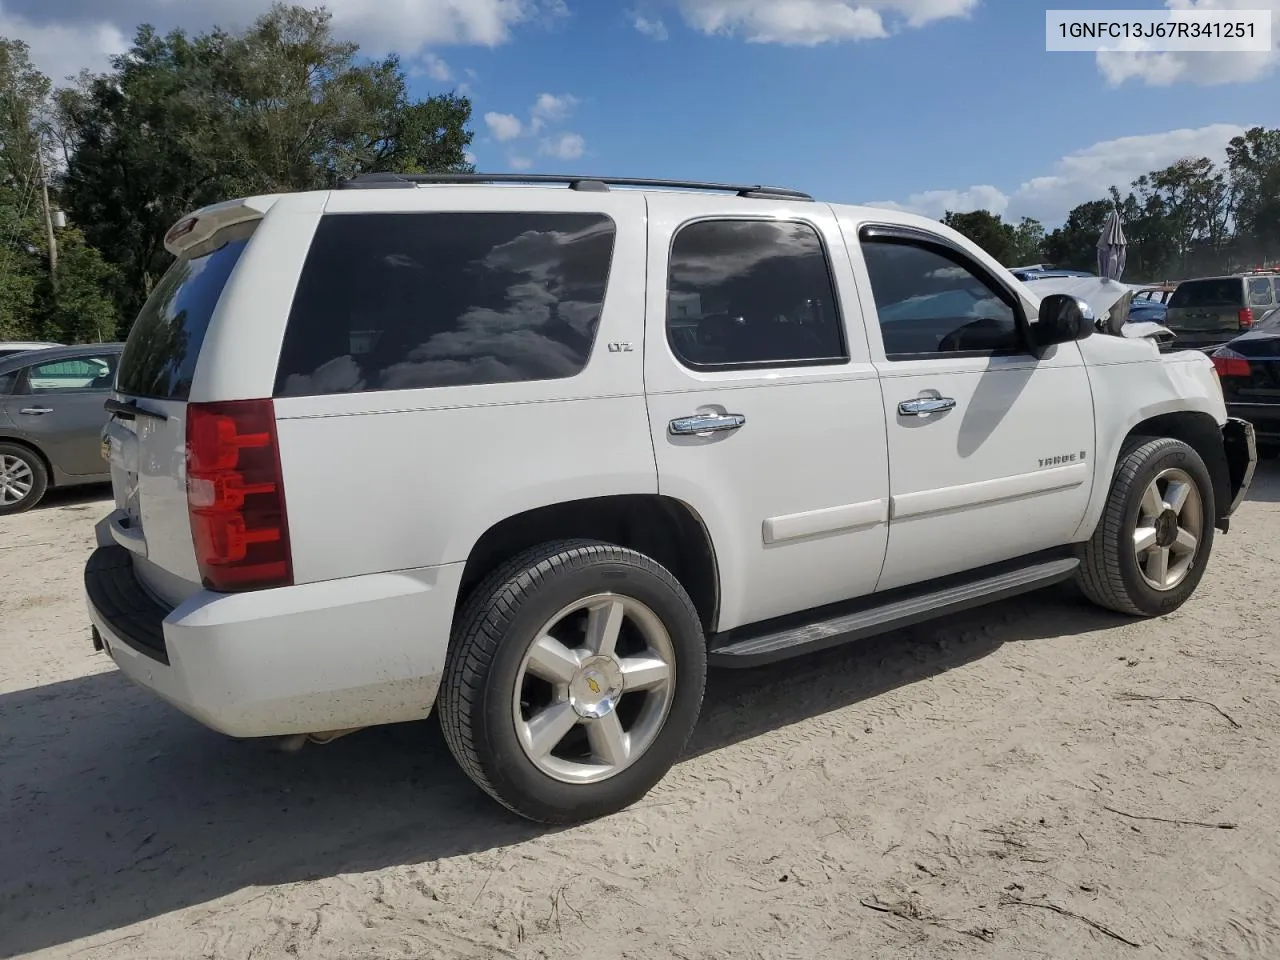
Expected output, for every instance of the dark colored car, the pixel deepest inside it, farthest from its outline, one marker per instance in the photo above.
(51, 420)
(1208, 312)
(1249, 368)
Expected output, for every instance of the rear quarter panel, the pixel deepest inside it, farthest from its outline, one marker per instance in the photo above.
(403, 479)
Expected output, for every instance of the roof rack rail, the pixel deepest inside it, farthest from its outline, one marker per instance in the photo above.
(371, 181)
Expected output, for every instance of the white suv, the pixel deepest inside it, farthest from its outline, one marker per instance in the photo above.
(540, 453)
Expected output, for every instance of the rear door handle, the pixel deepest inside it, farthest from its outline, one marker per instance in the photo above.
(704, 426)
(36, 411)
(925, 405)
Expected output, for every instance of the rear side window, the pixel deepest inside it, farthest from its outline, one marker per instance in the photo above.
(408, 301)
(748, 294)
(1222, 292)
(1260, 292)
(159, 359)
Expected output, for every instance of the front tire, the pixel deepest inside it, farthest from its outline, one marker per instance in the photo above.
(574, 680)
(23, 479)
(1151, 546)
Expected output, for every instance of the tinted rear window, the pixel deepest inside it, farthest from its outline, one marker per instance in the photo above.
(160, 356)
(1225, 292)
(405, 301)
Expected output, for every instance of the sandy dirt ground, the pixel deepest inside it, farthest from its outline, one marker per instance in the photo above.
(1006, 784)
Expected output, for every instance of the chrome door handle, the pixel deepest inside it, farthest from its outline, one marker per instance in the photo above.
(704, 426)
(925, 405)
(36, 411)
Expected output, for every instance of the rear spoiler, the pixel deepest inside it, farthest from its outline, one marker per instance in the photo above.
(198, 227)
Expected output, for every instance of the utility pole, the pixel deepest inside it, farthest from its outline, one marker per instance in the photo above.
(48, 217)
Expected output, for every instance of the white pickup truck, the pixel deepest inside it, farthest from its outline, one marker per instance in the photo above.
(536, 454)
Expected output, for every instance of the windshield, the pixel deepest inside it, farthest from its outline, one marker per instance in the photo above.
(160, 356)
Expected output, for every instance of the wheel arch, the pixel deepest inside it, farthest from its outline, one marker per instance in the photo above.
(666, 529)
(1202, 433)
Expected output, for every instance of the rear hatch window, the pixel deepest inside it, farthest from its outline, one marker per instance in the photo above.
(1206, 305)
(159, 360)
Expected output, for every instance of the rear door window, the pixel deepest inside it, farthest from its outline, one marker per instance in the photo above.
(72, 374)
(1260, 294)
(1224, 292)
(405, 301)
(159, 359)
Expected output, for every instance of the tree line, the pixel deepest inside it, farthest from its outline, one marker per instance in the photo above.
(177, 122)
(1192, 218)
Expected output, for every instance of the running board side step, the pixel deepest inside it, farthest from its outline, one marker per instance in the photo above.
(761, 648)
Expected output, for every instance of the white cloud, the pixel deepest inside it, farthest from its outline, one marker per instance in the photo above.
(565, 146)
(1209, 68)
(66, 35)
(469, 157)
(1079, 176)
(519, 163)
(653, 28)
(811, 22)
(550, 109)
(934, 203)
(61, 51)
(436, 68)
(504, 126)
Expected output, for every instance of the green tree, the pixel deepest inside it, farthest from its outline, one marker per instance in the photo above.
(1074, 245)
(183, 121)
(1253, 162)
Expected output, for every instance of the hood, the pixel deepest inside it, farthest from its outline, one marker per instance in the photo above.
(1109, 299)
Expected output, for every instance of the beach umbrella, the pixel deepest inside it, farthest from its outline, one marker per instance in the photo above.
(1113, 248)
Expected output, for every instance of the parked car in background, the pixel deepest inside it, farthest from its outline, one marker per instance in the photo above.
(1046, 270)
(51, 420)
(1151, 304)
(1205, 313)
(1249, 368)
(9, 347)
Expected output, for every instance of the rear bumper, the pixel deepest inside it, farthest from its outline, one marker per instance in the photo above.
(1240, 444)
(305, 659)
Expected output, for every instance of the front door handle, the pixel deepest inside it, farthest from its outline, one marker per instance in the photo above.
(36, 411)
(705, 425)
(925, 405)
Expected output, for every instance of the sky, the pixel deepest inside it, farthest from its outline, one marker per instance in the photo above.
(928, 105)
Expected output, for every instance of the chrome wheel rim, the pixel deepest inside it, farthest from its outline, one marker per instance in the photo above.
(594, 688)
(16, 479)
(1167, 537)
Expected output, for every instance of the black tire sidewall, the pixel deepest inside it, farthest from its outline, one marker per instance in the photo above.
(509, 769)
(39, 477)
(1159, 602)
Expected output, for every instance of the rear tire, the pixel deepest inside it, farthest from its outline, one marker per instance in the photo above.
(23, 479)
(574, 679)
(1153, 542)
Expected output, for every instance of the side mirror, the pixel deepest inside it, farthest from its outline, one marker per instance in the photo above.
(1063, 319)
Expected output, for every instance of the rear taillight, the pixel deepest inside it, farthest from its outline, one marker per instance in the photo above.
(235, 496)
(1246, 318)
(1228, 363)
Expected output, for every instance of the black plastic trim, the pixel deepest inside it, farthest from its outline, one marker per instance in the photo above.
(129, 410)
(830, 626)
(1239, 443)
(113, 591)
